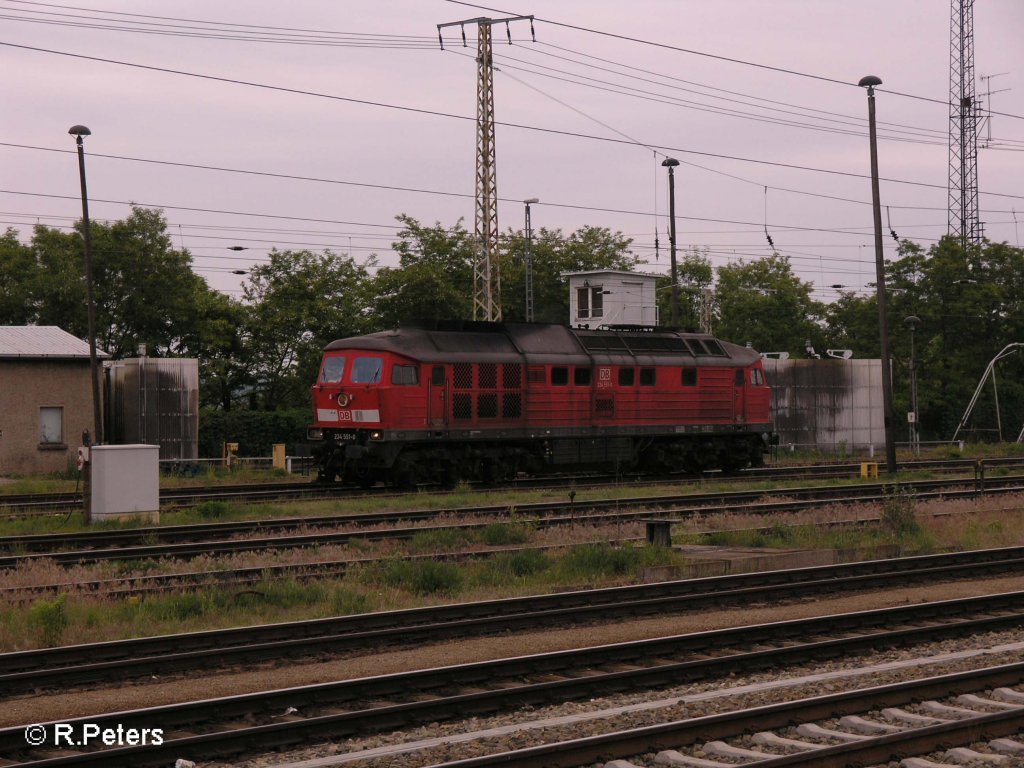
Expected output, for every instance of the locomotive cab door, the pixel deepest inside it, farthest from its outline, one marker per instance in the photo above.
(437, 397)
(740, 405)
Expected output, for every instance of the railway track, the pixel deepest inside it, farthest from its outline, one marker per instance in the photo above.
(63, 667)
(273, 719)
(186, 541)
(14, 505)
(870, 726)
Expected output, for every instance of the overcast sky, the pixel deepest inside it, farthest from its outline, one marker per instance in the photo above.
(313, 123)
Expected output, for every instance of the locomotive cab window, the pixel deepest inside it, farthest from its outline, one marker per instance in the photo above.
(405, 374)
(757, 377)
(559, 377)
(581, 377)
(626, 377)
(648, 376)
(689, 377)
(333, 370)
(739, 378)
(367, 370)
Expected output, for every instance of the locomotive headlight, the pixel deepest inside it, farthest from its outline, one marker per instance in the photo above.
(343, 399)
(314, 433)
(376, 435)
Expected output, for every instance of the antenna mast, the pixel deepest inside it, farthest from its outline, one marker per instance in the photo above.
(486, 264)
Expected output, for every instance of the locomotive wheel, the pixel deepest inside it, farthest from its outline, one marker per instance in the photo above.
(404, 477)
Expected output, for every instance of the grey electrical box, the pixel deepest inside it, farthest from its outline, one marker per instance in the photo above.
(125, 481)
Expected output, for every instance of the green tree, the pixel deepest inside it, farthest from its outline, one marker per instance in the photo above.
(296, 304)
(17, 275)
(553, 255)
(434, 278)
(764, 303)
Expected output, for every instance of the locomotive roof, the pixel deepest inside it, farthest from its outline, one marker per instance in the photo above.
(541, 343)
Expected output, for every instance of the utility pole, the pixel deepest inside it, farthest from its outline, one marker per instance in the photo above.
(963, 127)
(486, 263)
(528, 260)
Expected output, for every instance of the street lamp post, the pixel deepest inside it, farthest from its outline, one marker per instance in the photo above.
(671, 163)
(528, 260)
(915, 431)
(890, 446)
(78, 131)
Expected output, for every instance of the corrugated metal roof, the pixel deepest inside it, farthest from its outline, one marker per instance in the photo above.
(42, 341)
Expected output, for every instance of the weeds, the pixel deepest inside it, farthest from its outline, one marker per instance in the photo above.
(49, 618)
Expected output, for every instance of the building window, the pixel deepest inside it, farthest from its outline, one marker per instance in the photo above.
(51, 425)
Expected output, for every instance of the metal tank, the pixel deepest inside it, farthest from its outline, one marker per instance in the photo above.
(154, 401)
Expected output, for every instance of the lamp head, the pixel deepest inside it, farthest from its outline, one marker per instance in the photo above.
(79, 130)
(870, 81)
(532, 200)
(912, 322)
(669, 162)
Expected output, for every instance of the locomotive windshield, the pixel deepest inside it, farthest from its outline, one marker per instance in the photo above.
(333, 370)
(366, 370)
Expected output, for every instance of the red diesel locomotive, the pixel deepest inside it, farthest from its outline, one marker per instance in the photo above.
(485, 401)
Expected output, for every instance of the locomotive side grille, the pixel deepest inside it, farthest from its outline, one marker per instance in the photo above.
(488, 376)
(535, 374)
(511, 405)
(511, 376)
(604, 406)
(462, 406)
(487, 406)
(463, 375)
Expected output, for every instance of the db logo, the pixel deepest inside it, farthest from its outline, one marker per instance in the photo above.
(344, 415)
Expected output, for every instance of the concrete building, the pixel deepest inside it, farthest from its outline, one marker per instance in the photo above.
(45, 398)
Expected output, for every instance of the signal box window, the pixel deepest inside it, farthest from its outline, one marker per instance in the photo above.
(689, 377)
(626, 377)
(366, 370)
(405, 374)
(559, 377)
(589, 301)
(648, 376)
(333, 370)
(581, 377)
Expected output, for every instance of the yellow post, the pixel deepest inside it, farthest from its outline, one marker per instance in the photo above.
(230, 453)
(869, 469)
(279, 457)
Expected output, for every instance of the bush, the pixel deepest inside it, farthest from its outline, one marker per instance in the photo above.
(50, 619)
(898, 513)
(422, 577)
(505, 534)
(256, 432)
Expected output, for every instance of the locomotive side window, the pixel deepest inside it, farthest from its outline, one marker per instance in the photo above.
(366, 370)
(738, 378)
(405, 374)
(648, 376)
(581, 377)
(333, 370)
(626, 377)
(559, 377)
(757, 377)
(437, 376)
(689, 377)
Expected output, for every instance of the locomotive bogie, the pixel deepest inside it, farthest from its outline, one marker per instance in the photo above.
(491, 401)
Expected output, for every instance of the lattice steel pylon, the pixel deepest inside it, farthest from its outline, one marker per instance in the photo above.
(964, 222)
(486, 260)
(486, 264)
